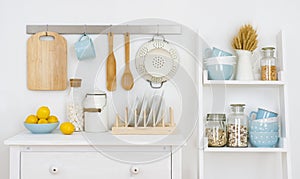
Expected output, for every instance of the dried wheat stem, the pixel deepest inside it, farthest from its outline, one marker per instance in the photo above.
(246, 39)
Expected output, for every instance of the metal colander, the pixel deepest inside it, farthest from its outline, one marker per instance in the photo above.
(157, 61)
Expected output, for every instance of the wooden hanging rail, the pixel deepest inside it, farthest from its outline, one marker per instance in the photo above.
(103, 29)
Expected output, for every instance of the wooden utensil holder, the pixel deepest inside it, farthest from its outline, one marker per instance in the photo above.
(162, 128)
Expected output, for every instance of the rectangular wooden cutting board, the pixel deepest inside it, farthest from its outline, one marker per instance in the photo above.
(46, 62)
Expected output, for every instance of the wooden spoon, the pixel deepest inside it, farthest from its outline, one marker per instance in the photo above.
(111, 66)
(127, 78)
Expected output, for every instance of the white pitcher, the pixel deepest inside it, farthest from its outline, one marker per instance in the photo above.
(95, 112)
(244, 65)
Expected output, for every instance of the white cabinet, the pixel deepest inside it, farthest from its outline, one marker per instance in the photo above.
(91, 155)
(250, 162)
(78, 165)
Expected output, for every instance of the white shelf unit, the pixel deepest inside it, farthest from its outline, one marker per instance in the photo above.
(216, 97)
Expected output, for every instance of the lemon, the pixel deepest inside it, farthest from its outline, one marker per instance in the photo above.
(67, 128)
(43, 121)
(43, 112)
(52, 119)
(31, 119)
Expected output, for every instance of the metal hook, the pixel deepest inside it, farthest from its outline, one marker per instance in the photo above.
(47, 30)
(110, 27)
(158, 35)
(84, 33)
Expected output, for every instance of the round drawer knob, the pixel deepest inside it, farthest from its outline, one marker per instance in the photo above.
(134, 170)
(53, 170)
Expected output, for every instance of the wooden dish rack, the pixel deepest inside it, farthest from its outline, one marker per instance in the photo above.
(162, 128)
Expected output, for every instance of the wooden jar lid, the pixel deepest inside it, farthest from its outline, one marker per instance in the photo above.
(75, 82)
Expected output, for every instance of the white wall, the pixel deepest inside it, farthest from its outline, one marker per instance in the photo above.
(216, 20)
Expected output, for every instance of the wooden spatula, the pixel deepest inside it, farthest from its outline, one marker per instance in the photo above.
(127, 78)
(111, 66)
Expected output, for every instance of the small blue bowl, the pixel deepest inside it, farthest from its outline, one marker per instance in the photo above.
(41, 128)
(263, 139)
(219, 53)
(258, 126)
(220, 71)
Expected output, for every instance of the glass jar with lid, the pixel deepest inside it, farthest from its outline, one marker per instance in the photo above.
(215, 130)
(74, 104)
(237, 127)
(268, 64)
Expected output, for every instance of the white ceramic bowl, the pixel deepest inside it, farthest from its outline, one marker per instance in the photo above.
(229, 60)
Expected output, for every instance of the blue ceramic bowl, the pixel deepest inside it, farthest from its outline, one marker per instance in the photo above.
(219, 71)
(218, 52)
(220, 68)
(262, 126)
(263, 139)
(41, 128)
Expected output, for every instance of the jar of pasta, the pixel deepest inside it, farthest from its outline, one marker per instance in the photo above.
(268, 64)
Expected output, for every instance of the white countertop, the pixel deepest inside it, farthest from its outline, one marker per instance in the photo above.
(104, 139)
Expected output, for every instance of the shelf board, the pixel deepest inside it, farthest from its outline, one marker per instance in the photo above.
(238, 82)
(247, 149)
(281, 147)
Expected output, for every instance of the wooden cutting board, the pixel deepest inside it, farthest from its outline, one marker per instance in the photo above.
(46, 62)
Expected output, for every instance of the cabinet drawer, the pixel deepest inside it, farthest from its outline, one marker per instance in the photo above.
(79, 165)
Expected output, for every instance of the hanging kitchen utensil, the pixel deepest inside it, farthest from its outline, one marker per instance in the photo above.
(111, 66)
(157, 61)
(46, 61)
(127, 78)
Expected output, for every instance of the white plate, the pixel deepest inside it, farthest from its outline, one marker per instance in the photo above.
(131, 110)
(161, 111)
(153, 107)
(149, 117)
(146, 97)
(143, 108)
(161, 114)
(161, 100)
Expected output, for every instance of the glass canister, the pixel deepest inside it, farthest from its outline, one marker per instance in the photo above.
(215, 130)
(268, 64)
(95, 112)
(237, 127)
(74, 104)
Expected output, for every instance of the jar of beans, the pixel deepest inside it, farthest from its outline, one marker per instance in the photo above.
(74, 106)
(237, 127)
(215, 130)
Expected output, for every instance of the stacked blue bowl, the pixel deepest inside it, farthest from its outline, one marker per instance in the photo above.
(264, 132)
(220, 65)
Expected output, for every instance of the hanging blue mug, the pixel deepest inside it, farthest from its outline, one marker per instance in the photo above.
(84, 48)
